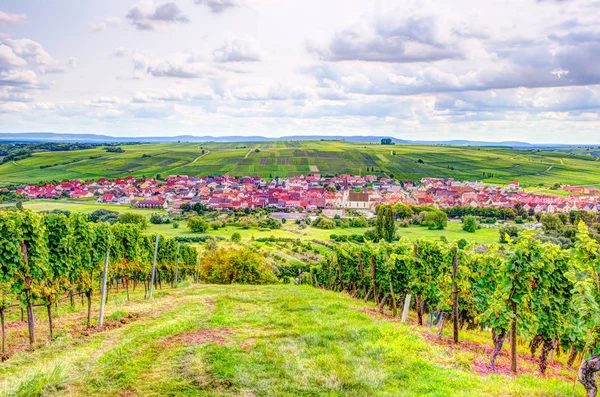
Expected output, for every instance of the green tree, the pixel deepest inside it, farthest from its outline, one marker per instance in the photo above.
(236, 237)
(129, 218)
(552, 222)
(470, 224)
(435, 220)
(385, 225)
(197, 224)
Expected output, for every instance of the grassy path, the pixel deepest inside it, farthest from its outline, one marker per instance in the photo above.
(277, 340)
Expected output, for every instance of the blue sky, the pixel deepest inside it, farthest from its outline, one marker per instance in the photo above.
(497, 70)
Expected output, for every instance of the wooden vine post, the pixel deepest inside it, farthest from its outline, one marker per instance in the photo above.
(197, 267)
(103, 288)
(30, 321)
(176, 266)
(373, 280)
(2, 302)
(153, 272)
(513, 341)
(393, 296)
(455, 294)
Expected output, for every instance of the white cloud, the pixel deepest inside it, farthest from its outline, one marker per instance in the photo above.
(106, 23)
(238, 50)
(147, 15)
(181, 65)
(10, 19)
(219, 6)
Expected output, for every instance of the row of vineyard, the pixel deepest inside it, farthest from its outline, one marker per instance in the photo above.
(44, 257)
(546, 295)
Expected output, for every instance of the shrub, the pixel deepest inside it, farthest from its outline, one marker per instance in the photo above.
(236, 237)
(435, 220)
(197, 225)
(360, 221)
(103, 215)
(216, 224)
(322, 222)
(158, 219)
(511, 231)
(134, 219)
(269, 223)
(470, 224)
(175, 225)
(231, 265)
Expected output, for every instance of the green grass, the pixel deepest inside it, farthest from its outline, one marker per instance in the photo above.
(289, 158)
(452, 232)
(277, 340)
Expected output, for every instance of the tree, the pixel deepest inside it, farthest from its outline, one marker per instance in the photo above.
(197, 224)
(435, 220)
(403, 211)
(470, 224)
(129, 218)
(19, 205)
(385, 225)
(236, 237)
(552, 222)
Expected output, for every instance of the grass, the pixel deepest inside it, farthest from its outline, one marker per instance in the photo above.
(279, 340)
(452, 232)
(289, 158)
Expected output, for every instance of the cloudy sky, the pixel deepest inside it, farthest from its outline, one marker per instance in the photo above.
(525, 70)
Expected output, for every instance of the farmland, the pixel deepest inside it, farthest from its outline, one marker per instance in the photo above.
(289, 158)
(259, 340)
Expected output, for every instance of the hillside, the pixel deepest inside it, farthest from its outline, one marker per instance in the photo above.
(288, 158)
(95, 138)
(256, 341)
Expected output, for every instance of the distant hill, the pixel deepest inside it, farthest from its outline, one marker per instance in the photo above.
(95, 138)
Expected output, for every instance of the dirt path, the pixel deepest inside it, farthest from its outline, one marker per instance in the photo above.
(247, 154)
(193, 161)
(546, 170)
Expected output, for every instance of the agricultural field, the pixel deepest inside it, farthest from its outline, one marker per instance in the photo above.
(290, 158)
(283, 340)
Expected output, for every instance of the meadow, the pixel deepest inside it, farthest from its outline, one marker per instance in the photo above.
(289, 158)
(452, 232)
(279, 340)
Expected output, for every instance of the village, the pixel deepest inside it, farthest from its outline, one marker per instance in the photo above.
(310, 193)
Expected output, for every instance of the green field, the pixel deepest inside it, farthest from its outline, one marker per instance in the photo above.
(289, 158)
(279, 340)
(452, 232)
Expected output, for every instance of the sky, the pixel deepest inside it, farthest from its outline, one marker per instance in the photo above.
(525, 70)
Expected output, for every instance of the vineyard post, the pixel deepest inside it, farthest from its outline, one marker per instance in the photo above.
(513, 341)
(393, 296)
(406, 307)
(103, 291)
(153, 267)
(176, 265)
(30, 321)
(455, 294)
(3, 331)
(197, 268)
(373, 280)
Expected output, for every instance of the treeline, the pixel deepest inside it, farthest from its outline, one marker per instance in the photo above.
(19, 151)
(533, 290)
(46, 257)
